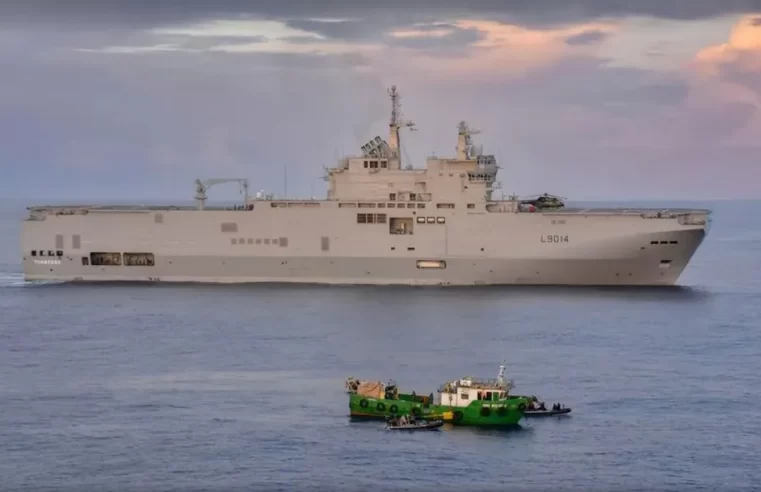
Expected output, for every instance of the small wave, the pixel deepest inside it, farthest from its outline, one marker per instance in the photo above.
(9, 279)
(12, 279)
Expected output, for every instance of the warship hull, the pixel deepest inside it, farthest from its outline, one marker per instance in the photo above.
(320, 243)
(382, 223)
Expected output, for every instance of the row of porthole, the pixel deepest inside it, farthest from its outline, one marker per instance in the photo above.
(664, 242)
(283, 242)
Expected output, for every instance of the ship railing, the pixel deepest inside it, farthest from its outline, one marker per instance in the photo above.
(483, 383)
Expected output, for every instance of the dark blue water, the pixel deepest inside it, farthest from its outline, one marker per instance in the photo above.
(220, 387)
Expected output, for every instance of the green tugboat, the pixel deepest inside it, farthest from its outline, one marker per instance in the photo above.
(467, 401)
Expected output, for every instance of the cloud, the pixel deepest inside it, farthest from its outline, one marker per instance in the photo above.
(446, 39)
(144, 98)
(588, 37)
(147, 13)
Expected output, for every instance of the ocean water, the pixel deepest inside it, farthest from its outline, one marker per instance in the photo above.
(161, 387)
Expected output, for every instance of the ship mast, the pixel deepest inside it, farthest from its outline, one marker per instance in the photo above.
(394, 142)
(465, 145)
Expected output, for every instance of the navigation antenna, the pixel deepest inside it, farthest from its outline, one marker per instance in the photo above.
(507, 384)
(501, 374)
(396, 123)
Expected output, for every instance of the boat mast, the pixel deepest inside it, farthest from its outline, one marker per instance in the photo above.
(394, 142)
(501, 374)
(465, 145)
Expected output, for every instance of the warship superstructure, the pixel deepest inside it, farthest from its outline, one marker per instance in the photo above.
(382, 223)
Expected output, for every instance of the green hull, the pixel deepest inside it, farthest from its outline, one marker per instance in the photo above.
(501, 413)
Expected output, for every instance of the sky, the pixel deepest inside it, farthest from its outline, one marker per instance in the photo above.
(585, 99)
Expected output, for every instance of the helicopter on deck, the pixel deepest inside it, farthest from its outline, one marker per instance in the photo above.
(544, 201)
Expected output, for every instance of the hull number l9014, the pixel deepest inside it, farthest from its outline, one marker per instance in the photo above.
(554, 239)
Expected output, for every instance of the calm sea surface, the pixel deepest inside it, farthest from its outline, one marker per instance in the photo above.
(164, 387)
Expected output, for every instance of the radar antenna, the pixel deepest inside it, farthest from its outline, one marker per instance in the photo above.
(203, 186)
(395, 124)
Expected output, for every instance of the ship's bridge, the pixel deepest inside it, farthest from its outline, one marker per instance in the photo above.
(378, 174)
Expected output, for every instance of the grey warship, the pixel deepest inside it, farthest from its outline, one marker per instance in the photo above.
(381, 223)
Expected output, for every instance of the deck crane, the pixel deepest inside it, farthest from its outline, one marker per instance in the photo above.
(203, 186)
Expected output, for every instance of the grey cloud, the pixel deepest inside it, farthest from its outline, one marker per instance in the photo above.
(147, 13)
(587, 37)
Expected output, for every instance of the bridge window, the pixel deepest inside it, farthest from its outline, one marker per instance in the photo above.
(413, 197)
(445, 205)
(34, 252)
(392, 196)
(471, 205)
(371, 218)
